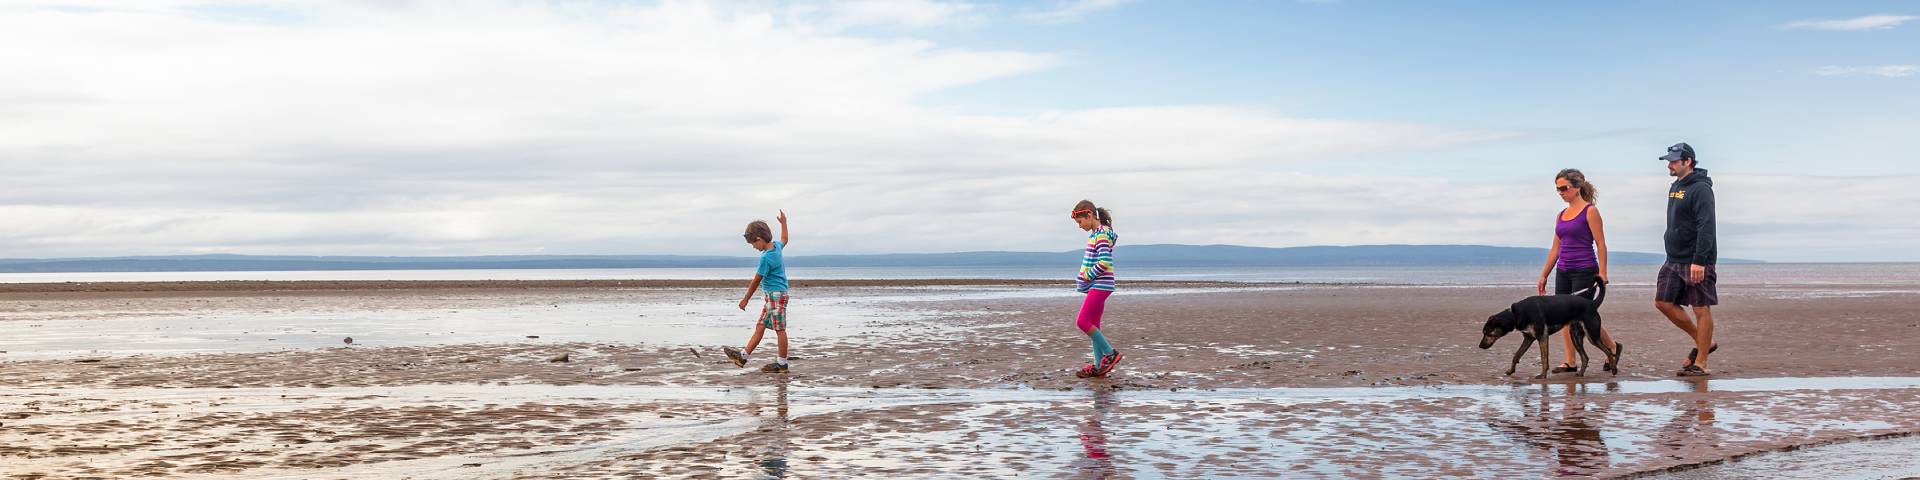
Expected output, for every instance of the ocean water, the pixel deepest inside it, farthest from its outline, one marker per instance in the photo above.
(1771, 274)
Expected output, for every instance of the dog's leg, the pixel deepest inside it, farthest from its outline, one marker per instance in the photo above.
(1545, 361)
(1576, 331)
(1525, 342)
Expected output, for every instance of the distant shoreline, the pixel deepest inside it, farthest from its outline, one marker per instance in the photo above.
(413, 285)
(1151, 255)
(1753, 275)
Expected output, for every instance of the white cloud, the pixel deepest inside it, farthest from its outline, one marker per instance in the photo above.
(511, 127)
(1071, 10)
(840, 14)
(1816, 218)
(1765, 217)
(1890, 71)
(1869, 22)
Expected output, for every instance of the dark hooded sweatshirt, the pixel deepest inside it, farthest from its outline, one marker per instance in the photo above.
(1690, 221)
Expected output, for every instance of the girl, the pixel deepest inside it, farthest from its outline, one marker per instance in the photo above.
(1096, 280)
(1578, 258)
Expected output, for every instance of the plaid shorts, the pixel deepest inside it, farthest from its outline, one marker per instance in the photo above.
(774, 314)
(1672, 286)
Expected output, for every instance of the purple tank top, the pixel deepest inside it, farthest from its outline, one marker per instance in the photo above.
(1576, 242)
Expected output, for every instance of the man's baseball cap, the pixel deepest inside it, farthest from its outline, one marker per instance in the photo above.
(1679, 151)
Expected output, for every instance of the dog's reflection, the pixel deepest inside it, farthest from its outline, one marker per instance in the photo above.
(1098, 460)
(1563, 425)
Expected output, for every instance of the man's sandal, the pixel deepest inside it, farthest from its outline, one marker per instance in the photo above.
(1695, 352)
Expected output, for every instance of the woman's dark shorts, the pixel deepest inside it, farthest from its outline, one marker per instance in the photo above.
(1566, 281)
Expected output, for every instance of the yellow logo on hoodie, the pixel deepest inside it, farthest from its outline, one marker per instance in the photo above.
(1678, 195)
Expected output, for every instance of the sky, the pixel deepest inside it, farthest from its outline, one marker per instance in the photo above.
(487, 127)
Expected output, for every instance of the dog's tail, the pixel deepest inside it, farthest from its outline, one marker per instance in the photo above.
(1599, 290)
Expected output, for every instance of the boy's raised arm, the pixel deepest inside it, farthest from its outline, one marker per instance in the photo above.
(783, 228)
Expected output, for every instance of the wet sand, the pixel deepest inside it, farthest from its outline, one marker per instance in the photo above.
(927, 378)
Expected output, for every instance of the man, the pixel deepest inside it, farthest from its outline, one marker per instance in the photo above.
(1687, 278)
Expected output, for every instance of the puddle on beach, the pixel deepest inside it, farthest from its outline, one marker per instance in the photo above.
(479, 431)
(1875, 459)
(523, 430)
(680, 320)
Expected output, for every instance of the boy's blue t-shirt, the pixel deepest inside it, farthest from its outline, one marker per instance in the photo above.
(773, 270)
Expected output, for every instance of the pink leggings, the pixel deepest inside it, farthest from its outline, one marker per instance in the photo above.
(1090, 310)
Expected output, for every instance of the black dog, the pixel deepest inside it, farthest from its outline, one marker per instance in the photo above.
(1539, 316)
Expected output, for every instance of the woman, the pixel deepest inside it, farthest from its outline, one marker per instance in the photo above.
(1579, 255)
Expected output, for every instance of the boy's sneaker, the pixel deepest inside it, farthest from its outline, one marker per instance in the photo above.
(734, 355)
(1107, 362)
(775, 367)
(1088, 371)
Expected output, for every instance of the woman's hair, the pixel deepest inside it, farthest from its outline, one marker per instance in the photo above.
(1106, 218)
(758, 230)
(1578, 180)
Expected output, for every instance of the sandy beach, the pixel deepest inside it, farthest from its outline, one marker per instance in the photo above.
(513, 239)
(915, 378)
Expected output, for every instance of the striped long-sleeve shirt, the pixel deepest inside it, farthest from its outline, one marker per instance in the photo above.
(1096, 268)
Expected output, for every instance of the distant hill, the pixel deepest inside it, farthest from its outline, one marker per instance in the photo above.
(1143, 255)
(1233, 255)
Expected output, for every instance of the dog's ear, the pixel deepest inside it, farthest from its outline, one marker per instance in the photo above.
(1499, 324)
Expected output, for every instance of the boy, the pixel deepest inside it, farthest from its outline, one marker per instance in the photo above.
(772, 277)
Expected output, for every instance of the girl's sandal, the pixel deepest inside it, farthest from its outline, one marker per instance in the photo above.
(1106, 364)
(1087, 371)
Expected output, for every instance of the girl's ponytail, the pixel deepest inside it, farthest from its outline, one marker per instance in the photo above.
(1106, 218)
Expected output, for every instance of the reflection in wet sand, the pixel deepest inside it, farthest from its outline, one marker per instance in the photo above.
(450, 384)
(773, 456)
(1565, 427)
(545, 431)
(1692, 432)
(1096, 460)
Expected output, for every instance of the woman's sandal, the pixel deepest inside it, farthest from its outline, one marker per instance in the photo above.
(1693, 371)
(1565, 367)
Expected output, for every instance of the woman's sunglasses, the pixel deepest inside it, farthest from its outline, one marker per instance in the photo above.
(1562, 187)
